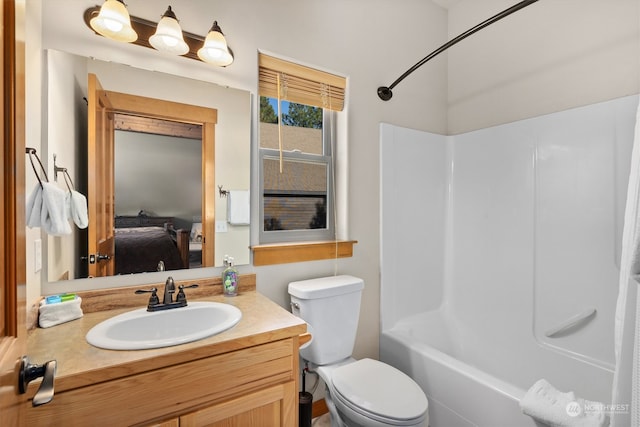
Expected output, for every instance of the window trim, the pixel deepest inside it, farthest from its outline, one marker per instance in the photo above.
(284, 253)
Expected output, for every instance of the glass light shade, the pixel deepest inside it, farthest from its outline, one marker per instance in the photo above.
(168, 36)
(114, 22)
(215, 50)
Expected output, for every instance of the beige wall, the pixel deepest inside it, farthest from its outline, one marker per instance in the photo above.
(332, 35)
(548, 57)
(480, 83)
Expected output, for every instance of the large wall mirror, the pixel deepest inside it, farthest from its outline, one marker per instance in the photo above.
(159, 169)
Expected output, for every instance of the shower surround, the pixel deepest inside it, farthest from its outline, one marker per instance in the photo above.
(493, 239)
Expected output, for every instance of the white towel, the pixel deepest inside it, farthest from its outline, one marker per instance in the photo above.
(53, 216)
(34, 207)
(61, 312)
(76, 205)
(544, 403)
(238, 207)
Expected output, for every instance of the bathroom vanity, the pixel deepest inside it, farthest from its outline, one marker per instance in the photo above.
(246, 375)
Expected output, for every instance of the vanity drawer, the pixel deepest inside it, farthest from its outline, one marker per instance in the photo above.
(172, 390)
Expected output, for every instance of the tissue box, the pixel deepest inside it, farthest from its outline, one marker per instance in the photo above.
(60, 312)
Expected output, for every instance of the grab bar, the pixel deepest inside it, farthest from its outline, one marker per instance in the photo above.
(570, 322)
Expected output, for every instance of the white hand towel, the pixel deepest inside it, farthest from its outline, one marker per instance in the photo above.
(54, 216)
(61, 312)
(544, 403)
(34, 207)
(77, 208)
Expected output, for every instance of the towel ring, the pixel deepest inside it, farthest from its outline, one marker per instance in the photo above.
(67, 180)
(32, 152)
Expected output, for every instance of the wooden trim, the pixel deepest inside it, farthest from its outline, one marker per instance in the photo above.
(131, 123)
(13, 343)
(208, 194)
(283, 253)
(206, 118)
(13, 78)
(113, 298)
(318, 408)
(125, 103)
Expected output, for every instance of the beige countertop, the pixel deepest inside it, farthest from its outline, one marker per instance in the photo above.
(81, 364)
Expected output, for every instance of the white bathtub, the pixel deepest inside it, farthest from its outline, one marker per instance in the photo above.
(492, 239)
(430, 349)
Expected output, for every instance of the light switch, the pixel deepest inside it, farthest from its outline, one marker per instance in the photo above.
(221, 227)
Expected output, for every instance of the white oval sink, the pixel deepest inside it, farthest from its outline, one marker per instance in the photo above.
(141, 329)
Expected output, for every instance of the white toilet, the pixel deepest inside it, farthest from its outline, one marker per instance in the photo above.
(363, 392)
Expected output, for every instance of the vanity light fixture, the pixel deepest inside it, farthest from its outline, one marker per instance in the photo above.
(113, 22)
(168, 36)
(213, 49)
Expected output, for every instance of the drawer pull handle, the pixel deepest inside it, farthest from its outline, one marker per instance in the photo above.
(29, 372)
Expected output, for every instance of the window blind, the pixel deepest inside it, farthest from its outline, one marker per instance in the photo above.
(300, 84)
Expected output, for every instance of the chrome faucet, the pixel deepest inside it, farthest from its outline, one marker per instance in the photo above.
(169, 289)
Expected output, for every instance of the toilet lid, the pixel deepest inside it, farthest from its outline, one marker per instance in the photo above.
(380, 389)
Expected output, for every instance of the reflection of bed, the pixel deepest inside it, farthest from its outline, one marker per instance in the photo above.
(141, 242)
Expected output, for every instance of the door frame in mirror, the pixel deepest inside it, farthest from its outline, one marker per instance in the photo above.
(205, 117)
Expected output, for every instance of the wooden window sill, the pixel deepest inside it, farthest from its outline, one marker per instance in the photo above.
(283, 253)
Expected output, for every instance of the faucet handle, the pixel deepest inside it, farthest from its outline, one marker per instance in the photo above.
(153, 299)
(181, 295)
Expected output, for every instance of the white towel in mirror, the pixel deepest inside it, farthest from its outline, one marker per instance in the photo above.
(238, 211)
(53, 218)
(77, 209)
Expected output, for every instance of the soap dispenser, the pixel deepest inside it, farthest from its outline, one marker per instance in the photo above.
(229, 278)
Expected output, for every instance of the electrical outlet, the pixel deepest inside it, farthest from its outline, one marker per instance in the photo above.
(221, 227)
(37, 255)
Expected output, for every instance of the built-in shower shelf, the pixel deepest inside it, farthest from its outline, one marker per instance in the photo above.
(582, 317)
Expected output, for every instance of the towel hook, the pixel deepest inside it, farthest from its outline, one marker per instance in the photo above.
(66, 176)
(57, 168)
(32, 152)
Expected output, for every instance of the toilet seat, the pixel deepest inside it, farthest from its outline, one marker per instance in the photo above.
(379, 392)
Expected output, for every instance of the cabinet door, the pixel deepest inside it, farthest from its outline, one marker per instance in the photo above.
(271, 406)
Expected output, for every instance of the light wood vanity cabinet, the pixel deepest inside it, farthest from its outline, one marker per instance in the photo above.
(247, 378)
(253, 386)
(272, 406)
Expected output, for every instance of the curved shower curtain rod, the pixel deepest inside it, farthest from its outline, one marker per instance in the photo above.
(384, 92)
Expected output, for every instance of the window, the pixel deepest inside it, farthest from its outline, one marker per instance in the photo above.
(297, 130)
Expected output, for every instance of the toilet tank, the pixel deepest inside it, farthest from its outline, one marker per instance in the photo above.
(331, 308)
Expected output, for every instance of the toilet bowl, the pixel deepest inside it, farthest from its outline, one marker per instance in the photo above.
(365, 392)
